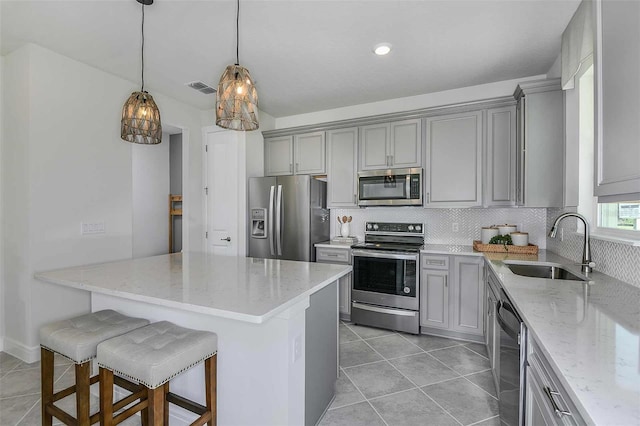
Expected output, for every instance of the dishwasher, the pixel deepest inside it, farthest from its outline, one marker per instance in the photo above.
(513, 353)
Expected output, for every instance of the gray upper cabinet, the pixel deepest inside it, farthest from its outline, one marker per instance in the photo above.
(617, 171)
(302, 154)
(396, 144)
(278, 156)
(342, 148)
(453, 175)
(500, 173)
(539, 144)
(309, 153)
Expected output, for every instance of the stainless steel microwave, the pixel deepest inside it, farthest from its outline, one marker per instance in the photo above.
(391, 187)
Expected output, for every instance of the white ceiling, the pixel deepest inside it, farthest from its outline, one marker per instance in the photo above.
(304, 55)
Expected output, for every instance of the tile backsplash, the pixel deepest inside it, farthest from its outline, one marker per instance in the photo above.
(620, 261)
(439, 223)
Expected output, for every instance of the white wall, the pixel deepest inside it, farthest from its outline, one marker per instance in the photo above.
(64, 163)
(447, 97)
(150, 184)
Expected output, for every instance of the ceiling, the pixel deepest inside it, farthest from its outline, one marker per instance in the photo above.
(304, 55)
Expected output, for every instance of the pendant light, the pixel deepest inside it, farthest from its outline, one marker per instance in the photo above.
(237, 98)
(140, 114)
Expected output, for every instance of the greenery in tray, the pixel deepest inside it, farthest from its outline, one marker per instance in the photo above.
(505, 240)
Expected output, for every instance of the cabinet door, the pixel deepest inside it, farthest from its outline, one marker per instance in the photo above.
(434, 298)
(500, 171)
(406, 143)
(374, 147)
(341, 168)
(454, 160)
(468, 295)
(617, 98)
(278, 156)
(345, 297)
(309, 150)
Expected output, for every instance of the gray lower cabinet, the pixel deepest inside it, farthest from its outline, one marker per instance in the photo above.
(617, 99)
(492, 329)
(342, 166)
(452, 294)
(453, 175)
(339, 255)
(540, 144)
(546, 401)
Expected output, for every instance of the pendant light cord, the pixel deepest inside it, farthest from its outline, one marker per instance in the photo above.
(142, 55)
(238, 34)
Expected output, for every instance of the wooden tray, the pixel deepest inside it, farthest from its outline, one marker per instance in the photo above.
(500, 248)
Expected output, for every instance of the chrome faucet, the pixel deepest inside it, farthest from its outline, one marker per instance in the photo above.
(587, 263)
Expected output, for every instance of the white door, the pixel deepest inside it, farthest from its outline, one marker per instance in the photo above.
(222, 192)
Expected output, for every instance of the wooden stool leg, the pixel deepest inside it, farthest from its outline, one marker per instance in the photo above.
(156, 406)
(211, 373)
(83, 374)
(166, 403)
(106, 397)
(46, 380)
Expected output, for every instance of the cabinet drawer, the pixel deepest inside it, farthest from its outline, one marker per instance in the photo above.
(435, 262)
(550, 386)
(328, 255)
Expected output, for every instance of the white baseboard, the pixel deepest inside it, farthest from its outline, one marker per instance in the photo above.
(25, 353)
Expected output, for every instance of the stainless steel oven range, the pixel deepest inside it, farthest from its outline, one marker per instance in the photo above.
(386, 278)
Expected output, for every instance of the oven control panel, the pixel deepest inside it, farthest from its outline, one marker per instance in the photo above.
(408, 228)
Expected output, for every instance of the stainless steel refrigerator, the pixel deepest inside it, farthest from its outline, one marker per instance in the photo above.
(287, 216)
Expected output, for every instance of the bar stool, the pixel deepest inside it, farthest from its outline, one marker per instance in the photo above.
(152, 356)
(77, 339)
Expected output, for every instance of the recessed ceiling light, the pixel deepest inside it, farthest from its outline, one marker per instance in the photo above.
(382, 49)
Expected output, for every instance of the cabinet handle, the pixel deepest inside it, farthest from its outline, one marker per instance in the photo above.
(427, 198)
(355, 199)
(391, 160)
(446, 284)
(297, 167)
(550, 393)
(290, 167)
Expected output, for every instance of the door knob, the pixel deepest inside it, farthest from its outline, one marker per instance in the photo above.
(226, 239)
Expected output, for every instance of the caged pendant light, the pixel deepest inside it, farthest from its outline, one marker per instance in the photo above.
(237, 98)
(140, 114)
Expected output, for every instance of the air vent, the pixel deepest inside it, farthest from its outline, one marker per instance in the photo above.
(201, 87)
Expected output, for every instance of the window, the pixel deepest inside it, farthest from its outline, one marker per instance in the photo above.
(618, 220)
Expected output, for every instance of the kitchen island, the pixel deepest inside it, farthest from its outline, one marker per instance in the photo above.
(276, 323)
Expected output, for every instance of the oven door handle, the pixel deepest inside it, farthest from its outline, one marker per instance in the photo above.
(384, 255)
(397, 312)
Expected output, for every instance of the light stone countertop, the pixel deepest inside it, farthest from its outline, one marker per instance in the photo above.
(240, 288)
(331, 244)
(590, 333)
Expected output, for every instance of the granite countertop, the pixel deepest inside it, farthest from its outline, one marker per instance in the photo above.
(239, 288)
(589, 332)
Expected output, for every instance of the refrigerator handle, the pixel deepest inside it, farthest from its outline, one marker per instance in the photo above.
(279, 220)
(271, 222)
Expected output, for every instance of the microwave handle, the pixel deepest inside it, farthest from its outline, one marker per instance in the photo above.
(407, 185)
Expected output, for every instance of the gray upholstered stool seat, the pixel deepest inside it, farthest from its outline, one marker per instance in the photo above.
(152, 356)
(77, 338)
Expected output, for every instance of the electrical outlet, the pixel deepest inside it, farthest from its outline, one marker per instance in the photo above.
(297, 348)
(92, 228)
(454, 227)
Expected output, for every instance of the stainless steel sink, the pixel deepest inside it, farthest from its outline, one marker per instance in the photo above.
(544, 270)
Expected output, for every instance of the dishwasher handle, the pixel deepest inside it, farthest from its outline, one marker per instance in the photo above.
(504, 325)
